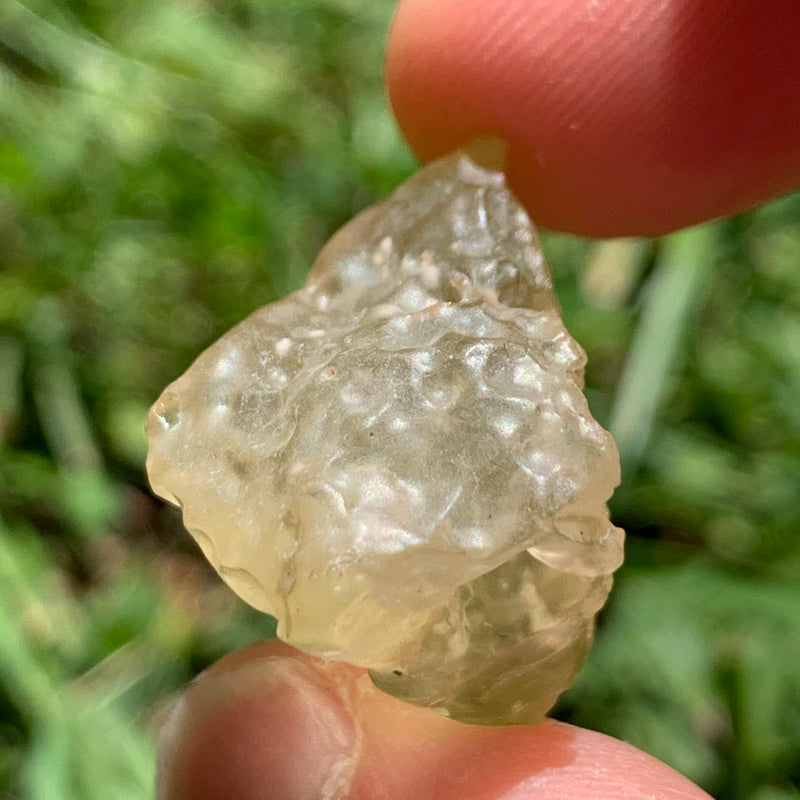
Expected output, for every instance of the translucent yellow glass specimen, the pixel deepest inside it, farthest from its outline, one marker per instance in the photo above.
(397, 460)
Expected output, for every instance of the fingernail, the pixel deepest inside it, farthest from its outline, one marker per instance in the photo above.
(268, 727)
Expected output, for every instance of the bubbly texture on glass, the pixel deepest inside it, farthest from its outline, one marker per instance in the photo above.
(397, 461)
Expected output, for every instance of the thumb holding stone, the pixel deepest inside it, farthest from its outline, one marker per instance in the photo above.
(270, 722)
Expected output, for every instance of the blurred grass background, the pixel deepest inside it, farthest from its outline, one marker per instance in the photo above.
(167, 166)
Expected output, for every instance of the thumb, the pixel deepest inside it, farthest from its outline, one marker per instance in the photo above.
(269, 722)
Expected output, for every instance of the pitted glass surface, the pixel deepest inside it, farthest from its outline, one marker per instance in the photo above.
(397, 460)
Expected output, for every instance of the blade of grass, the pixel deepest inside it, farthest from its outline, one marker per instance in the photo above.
(20, 670)
(613, 269)
(675, 294)
(11, 360)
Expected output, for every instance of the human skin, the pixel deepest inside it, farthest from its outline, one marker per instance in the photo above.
(621, 117)
(271, 722)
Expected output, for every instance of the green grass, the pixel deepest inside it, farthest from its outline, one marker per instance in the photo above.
(164, 169)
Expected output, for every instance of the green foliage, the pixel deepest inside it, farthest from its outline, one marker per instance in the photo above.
(687, 667)
(166, 167)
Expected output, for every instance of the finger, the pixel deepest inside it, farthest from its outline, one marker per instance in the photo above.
(269, 722)
(622, 116)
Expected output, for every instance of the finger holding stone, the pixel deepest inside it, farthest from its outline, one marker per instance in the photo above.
(270, 722)
(622, 116)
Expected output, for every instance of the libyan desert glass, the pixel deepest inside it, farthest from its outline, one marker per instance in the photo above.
(397, 460)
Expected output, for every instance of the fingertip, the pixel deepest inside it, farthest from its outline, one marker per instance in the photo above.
(594, 765)
(622, 116)
(260, 724)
